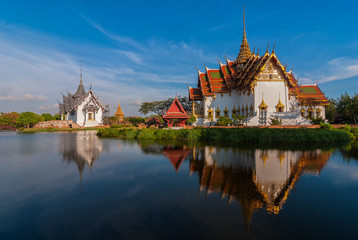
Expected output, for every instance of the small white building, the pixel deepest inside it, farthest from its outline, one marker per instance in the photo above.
(256, 88)
(83, 107)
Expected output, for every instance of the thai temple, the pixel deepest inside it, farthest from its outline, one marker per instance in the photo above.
(256, 87)
(83, 108)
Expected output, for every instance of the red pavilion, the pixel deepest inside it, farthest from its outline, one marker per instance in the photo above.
(175, 112)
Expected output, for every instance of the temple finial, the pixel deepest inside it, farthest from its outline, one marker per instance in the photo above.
(268, 47)
(81, 74)
(273, 49)
(258, 50)
(245, 51)
(244, 22)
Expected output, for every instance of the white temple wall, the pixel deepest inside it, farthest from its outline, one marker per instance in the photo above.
(322, 108)
(272, 91)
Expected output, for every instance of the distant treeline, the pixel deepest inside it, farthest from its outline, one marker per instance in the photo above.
(343, 109)
(13, 120)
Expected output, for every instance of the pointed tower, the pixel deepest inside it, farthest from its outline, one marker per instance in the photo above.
(245, 51)
(80, 90)
(119, 114)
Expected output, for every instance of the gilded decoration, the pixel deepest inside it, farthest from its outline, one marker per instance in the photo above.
(226, 112)
(218, 112)
(279, 107)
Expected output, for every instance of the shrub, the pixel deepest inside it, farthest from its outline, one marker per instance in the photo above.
(275, 121)
(224, 121)
(325, 125)
(192, 119)
(120, 126)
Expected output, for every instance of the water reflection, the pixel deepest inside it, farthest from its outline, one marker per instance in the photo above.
(82, 148)
(254, 178)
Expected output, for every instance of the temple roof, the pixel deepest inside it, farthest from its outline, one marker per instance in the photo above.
(312, 95)
(81, 89)
(176, 110)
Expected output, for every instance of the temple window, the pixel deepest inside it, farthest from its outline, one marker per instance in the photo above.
(303, 112)
(210, 113)
(233, 111)
(90, 116)
(318, 112)
(217, 113)
(226, 112)
(310, 112)
(280, 107)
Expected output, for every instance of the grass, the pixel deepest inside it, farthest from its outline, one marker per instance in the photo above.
(35, 130)
(235, 135)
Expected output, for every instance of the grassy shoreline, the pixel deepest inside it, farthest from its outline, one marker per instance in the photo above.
(35, 130)
(235, 135)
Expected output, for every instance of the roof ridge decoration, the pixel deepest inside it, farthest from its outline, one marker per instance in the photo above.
(245, 51)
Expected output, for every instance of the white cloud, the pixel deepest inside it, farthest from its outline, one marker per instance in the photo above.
(137, 102)
(120, 39)
(49, 107)
(131, 55)
(30, 97)
(25, 97)
(335, 69)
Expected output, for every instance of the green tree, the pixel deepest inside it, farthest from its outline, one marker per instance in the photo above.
(47, 116)
(135, 121)
(347, 109)
(9, 119)
(159, 107)
(28, 119)
(331, 111)
(192, 119)
(57, 116)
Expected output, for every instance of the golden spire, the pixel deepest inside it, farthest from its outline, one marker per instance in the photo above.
(245, 51)
(81, 75)
(263, 105)
(279, 104)
(119, 114)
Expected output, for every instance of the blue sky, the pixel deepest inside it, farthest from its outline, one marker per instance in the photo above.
(136, 51)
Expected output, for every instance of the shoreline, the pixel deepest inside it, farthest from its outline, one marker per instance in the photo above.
(234, 135)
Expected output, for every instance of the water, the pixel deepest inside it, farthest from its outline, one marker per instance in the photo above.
(76, 186)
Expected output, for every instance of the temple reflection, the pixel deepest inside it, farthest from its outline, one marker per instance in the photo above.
(254, 178)
(82, 148)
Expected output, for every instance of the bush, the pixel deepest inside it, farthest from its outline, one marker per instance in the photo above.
(223, 121)
(192, 119)
(316, 121)
(325, 125)
(120, 126)
(275, 121)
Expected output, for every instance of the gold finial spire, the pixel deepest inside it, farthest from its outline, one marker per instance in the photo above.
(81, 74)
(273, 49)
(245, 51)
(268, 47)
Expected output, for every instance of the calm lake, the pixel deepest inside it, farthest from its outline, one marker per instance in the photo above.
(77, 186)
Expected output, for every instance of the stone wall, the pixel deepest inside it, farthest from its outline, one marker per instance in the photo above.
(57, 124)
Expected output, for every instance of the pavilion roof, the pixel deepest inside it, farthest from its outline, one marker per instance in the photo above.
(176, 110)
(312, 95)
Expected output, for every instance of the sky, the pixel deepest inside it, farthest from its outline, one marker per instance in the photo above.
(137, 51)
